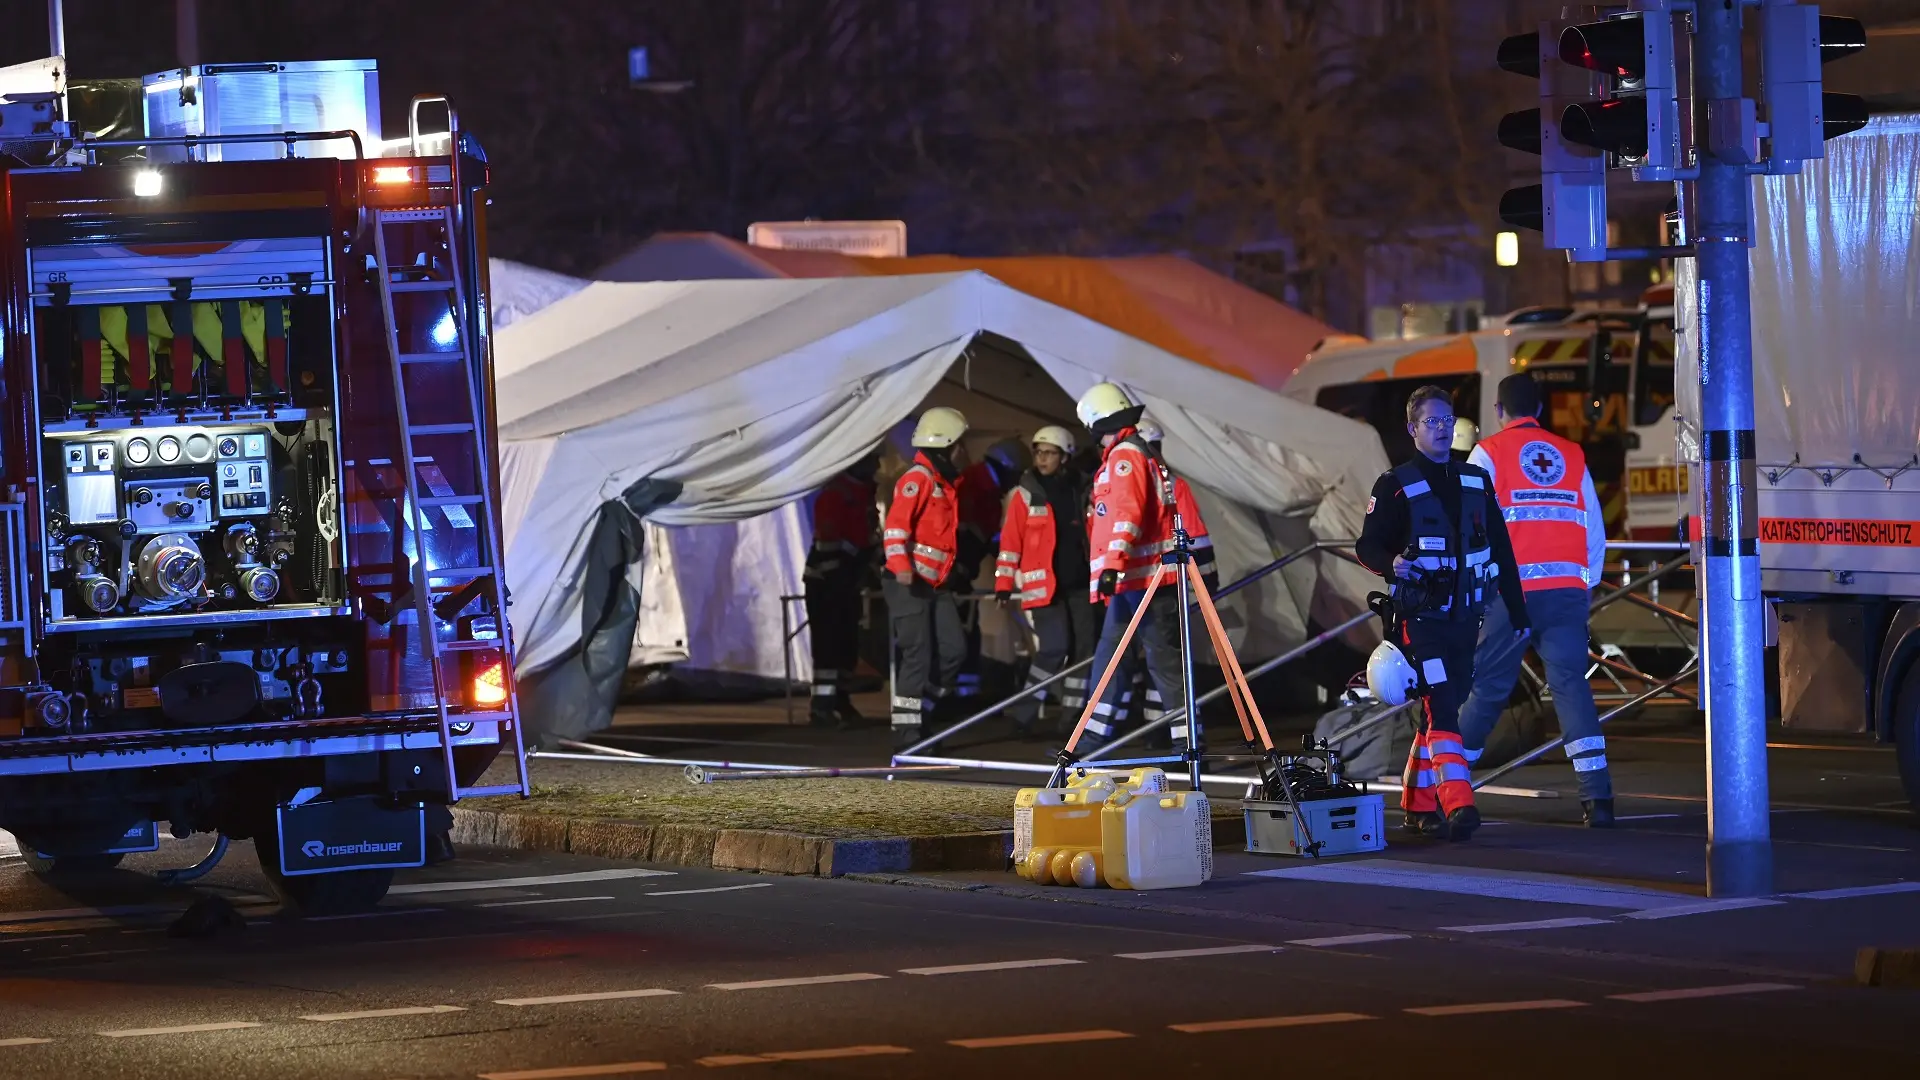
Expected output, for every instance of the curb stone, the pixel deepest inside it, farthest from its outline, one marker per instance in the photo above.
(762, 850)
(1887, 967)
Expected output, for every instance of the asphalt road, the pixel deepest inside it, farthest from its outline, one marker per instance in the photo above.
(1537, 948)
(551, 966)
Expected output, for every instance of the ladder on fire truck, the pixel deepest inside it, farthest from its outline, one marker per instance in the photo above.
(459, 585)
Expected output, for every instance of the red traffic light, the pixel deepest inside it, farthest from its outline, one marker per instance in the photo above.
(1617, 47)
(1618, 126)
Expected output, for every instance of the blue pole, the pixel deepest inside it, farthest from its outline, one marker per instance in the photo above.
(1739, 846)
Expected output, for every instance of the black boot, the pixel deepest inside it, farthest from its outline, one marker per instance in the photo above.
(1424, 823)
(905, 735)
(851, 719)
(1596, 813)
(1462, 822)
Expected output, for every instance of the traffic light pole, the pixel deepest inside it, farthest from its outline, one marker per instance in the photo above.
(1739, 843)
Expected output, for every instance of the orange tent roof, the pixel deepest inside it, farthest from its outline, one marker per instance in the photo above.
(1163, 300)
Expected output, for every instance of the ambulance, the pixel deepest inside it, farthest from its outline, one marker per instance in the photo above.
(1606, 378)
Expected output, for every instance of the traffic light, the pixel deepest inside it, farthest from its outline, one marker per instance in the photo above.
(1569, 205)
(1795, 40)
(1637, 120)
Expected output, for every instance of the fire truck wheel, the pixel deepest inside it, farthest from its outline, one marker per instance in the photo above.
(346, 892)
(1906, 734)
(68, 865)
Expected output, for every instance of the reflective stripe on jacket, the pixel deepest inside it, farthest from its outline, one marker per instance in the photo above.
(1133, 508)
(1459, 554)
(922, 523)
(1027, 541)
(1540, 480)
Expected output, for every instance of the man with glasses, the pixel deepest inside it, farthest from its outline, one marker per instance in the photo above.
(1434, 531)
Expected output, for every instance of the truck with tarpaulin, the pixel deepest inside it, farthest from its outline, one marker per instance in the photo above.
(1836, 484)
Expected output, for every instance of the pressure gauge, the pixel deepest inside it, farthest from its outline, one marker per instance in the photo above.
(139, 452)
(169, 450)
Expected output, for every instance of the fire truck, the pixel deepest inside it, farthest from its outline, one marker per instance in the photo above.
(250, 575)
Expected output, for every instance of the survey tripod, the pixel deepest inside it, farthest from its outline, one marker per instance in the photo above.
(1273, 776)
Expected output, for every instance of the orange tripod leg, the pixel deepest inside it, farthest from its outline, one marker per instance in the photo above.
(1235, 676)
(1100, 691)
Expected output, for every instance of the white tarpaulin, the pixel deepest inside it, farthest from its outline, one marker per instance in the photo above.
(753, 393)
(1836, 288)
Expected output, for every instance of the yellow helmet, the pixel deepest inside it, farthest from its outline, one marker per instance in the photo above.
(1055, 436)
(939, 428)
(1465, 434)
(1104, 404)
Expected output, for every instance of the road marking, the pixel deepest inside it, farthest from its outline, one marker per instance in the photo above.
(1704, 908)
(1348, 939)
(381, 914)
(184, 1029)
(816, 980)
(1180, 954)
(723, 888)
(623, 874)
(375, 1014)
(1497, 1007)
(1471, 881)
(1037, 1040)
(1004, 965)
(622, 1069)
(1704, 992)
(554, 900)
(607, 995)
(23, 1042)
(828, 1054)
(1260, 1022)
(1864, 890)
(1537, 924)
(1644, 817)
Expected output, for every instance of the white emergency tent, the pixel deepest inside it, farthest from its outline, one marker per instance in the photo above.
(750, 394)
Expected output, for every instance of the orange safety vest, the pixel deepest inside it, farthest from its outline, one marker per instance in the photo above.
(922, 523)
(1537, 478)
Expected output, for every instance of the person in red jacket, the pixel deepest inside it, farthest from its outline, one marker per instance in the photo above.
(844, 522)
(1043, 552)
(921, 544)
(1138, 695)
(1133, 510)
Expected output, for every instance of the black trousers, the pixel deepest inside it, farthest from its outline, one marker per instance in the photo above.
(932, 645)
(833, 623)
(1066, 631)
(1158, 638)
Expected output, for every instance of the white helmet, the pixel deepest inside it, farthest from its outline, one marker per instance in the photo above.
(1465, 434)
(1389, 675)
(939, 427)
(1055, 436)
(1149, 431)
(1103, 401)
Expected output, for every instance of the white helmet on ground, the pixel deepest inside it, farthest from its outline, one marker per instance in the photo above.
(1106, 405)
(939, 427)
(1149, 431)
(1055, 436)
(1389, 675)
(1465, 434)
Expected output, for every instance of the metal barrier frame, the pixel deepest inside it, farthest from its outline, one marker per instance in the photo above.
(916, 755)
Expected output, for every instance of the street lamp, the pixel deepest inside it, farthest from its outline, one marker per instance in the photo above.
(1506, 249)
